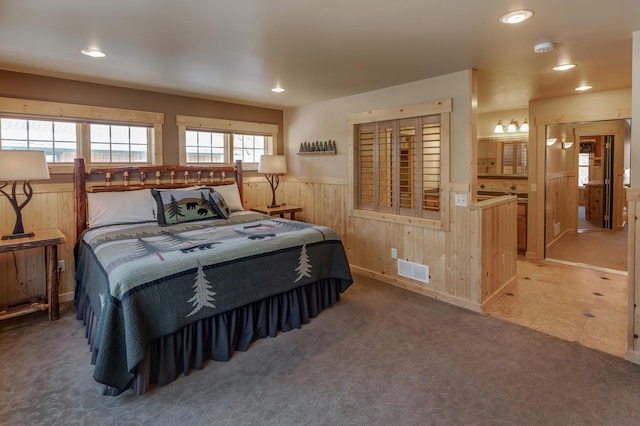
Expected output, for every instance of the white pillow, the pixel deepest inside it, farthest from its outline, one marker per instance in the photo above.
(110, 208)
(231, 196)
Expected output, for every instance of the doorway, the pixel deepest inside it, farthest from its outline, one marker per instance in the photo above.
(584, 193)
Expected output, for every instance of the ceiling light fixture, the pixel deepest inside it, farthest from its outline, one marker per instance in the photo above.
(94, 53)
(277, 89)
(563, 67)
(544, 47)
(516, 16)
(583, 88)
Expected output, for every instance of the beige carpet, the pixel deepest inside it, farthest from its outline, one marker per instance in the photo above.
(603, 249)
(381, 356)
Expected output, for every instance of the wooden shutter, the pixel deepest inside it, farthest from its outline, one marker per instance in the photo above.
(365, 166)
(431, 150)
(385, 165)
(407, 167)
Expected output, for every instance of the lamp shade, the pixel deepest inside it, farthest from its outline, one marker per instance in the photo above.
(23, 165)
(272, 164)
(512, 127)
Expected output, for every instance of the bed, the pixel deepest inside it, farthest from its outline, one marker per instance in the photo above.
(171, 271)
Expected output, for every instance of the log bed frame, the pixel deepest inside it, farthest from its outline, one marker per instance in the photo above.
(121, 179)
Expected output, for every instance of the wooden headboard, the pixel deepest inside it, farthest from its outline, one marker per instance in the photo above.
(133, 177)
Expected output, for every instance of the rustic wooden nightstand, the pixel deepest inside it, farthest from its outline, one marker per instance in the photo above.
(49, 239)
(279, 211)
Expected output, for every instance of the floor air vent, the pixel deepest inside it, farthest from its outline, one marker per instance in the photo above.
(414, 271)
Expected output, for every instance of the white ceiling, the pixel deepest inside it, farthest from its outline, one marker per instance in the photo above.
(321, 49)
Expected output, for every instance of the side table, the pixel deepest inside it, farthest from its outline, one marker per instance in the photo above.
(49, 239)
(279, 210)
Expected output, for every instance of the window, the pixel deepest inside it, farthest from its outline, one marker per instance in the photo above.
(57, 139)
(118, 144)
(209, 140)
(584, 160)
(399, 162)
(100, 135)
(249, 148)
(204, 146)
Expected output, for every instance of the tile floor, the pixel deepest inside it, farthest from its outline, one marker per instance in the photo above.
(573, 303)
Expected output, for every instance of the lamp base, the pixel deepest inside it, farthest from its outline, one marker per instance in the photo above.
(20, 235)
(273, 206)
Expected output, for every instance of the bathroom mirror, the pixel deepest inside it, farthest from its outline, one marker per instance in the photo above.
(502, 157)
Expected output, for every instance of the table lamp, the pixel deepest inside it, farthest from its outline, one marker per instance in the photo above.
(272, 166)
(18, 165)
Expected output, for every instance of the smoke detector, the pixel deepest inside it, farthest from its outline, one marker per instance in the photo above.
(544, 47)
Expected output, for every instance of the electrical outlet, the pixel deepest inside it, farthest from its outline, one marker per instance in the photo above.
(394, 253)
(61, 265)
(461, 200)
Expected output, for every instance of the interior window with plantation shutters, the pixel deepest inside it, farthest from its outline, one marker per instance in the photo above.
(399, 166)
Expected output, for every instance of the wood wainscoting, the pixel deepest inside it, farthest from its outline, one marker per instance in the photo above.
(468, 263)
(22, 273)
(633, 329)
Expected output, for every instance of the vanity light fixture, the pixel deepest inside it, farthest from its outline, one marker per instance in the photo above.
(513, 127)
(563, 67)
(567, 145)
(94, 53)
(516, 16)
(551, 141)
(583, 88)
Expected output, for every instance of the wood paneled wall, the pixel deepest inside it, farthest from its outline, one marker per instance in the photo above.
(468, 263)
(561, 207)
(497, 224)
(50, 207)
(633, 345)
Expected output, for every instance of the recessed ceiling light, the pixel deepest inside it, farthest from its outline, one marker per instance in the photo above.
(563, 67)
(516, 16)
(277, 89)
(94, 53)
(583, 88)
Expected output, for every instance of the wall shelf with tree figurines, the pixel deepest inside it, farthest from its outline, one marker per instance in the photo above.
(327, 147)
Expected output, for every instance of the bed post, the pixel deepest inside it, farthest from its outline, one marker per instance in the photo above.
(80, 193)
(239, 180)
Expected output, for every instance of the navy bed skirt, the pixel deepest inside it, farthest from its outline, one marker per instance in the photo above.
(217, 337)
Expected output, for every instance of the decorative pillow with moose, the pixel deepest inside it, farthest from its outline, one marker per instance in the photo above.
(183, 206)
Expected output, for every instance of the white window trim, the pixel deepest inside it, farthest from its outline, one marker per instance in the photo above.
(31, 109)
(185, 122)
(444, 107)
